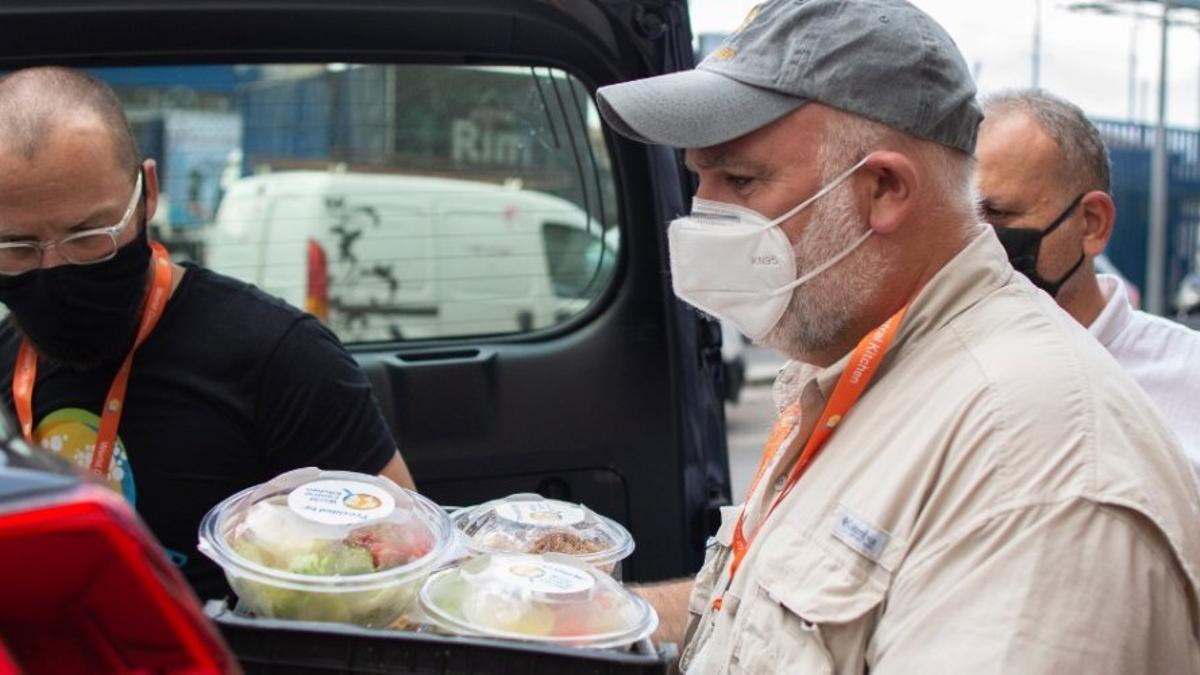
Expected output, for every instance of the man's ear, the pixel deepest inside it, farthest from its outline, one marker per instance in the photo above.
(893, 181)
(150, 187)
(1099, 215)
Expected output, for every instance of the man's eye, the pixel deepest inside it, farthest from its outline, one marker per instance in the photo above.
(739, 182)
(993, 213)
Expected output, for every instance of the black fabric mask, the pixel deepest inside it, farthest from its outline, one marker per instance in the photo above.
(83, 316)
(1023, 244)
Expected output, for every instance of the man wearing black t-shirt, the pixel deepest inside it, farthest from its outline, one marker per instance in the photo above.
(178, 385)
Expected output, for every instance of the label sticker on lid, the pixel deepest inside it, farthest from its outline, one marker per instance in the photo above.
(341, 502)
(541, 514)
(547, 578)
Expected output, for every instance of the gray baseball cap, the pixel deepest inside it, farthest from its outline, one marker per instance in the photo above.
(882, 59)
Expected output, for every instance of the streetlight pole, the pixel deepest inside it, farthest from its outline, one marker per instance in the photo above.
(1036, 62)
(1156, 248)
(1132, 94)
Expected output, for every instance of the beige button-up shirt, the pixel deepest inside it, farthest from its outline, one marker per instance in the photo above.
(1002, 499)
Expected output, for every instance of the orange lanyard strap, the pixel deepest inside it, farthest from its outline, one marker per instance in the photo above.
(25, 373)
(859, 372)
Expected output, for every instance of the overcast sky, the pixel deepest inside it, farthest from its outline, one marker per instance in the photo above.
(1085, 56)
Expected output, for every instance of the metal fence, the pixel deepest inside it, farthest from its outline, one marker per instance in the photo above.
(1130, 146)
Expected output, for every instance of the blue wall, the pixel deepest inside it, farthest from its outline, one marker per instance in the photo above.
(1130, 147)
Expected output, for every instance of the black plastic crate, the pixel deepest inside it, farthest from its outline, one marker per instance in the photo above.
(272, 646)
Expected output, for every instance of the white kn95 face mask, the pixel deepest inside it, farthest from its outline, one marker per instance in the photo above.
(736, 264)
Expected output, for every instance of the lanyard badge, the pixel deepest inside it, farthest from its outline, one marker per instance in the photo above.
(864, 363)
(25, 372)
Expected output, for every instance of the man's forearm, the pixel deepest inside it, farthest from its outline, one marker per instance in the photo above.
(670, 600)
(397, 470)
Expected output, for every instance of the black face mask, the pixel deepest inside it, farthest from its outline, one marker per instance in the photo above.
(1023, 244)
(83, 316)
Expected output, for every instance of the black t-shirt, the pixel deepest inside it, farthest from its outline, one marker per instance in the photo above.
(232, 388)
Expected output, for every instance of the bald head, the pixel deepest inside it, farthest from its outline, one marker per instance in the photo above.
(37, 102)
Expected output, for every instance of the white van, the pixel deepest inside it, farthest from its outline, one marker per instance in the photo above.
(384, 256)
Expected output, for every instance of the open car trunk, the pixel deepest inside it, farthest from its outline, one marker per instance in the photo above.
(615, 403)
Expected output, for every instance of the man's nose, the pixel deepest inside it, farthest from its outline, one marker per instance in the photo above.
(52, 258)
(705, 190)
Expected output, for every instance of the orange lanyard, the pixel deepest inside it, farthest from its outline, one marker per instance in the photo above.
(25, 373)
(859, 372)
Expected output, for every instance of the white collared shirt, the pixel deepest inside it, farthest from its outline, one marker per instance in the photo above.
(1162, 356)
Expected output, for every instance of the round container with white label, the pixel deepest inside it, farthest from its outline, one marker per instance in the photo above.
(327, 546)
(530, 523)
(551, 598)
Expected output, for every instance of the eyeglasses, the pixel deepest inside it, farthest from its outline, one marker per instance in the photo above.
(81, 248)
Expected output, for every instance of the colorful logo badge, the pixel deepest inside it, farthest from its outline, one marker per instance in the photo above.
(70, 433)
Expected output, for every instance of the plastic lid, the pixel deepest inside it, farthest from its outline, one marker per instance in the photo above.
(529, 523)
(310, 529)
(549, 598)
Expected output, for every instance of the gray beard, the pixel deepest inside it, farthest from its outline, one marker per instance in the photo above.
(821, 310)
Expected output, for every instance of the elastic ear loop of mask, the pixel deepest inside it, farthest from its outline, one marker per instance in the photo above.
(831, 185)
(840, 256)
(1062, 217)
(825, 265)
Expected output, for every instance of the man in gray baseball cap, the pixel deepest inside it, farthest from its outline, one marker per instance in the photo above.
(886, 61)
(959, 479)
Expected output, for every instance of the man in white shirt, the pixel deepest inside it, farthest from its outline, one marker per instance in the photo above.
(1044, 182)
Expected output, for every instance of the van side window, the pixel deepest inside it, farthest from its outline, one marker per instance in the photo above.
(574, 256)
(394, 202)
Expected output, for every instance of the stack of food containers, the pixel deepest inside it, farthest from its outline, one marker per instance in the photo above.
(338, 546)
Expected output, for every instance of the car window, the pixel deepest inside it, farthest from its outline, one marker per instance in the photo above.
(573, 257)
(394, 202)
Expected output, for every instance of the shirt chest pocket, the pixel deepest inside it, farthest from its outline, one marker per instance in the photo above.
(808, 611)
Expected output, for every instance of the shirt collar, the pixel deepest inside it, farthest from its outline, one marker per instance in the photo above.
(979, 269)
(1117, 311)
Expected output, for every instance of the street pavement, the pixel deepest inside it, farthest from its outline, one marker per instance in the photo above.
(749, 420)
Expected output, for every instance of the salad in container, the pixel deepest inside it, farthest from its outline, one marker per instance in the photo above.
(530, 523)
(326, 546)
(550, 599)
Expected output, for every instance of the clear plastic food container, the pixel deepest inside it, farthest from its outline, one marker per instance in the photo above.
(327, 546)
(530, 523)
(551, 598)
